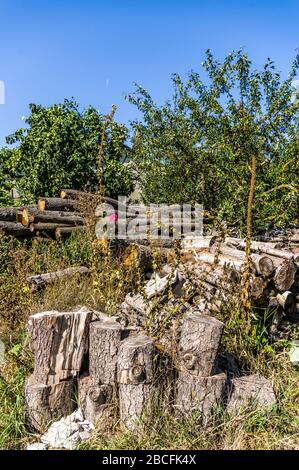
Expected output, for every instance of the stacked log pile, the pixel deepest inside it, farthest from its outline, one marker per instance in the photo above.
(219, 268)
(59, 216)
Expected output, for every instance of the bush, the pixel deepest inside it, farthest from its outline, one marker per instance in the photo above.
(198, 147)
(59, 149)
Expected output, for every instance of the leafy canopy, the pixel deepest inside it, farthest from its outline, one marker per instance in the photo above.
(198, 146)
(58, 148)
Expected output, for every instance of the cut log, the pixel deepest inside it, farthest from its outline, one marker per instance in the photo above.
(58, 204)
(199, 343)
(201, 394)
(134, 403)
(253, 389)
(262, 247)
(285, 271)
(104, 342)
(46, 403)
(95, 401)
(45, 227)
(198, 242)
(135, 376)
(135, 360)
(8, 214)
(262, 264)
(69, 218)
(59, 341)
(41, 280)
(76, 194)
(14, 228)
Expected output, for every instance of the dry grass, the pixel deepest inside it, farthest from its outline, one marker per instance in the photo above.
(111, 279)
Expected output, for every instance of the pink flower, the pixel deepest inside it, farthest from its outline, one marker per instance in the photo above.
(113, 217)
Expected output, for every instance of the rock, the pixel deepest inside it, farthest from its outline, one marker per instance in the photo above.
(252, 388)
(36, 446)
(68, 432)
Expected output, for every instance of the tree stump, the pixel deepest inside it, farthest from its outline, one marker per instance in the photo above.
(59, 341)
(104, 341)
(45, 403)
(199, 343)
(199, 393)
(252, 388)
(135, 376)
(95, 401)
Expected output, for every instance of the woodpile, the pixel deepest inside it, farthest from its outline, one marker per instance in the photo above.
(112, 369)
(58, 217)
(274, 280)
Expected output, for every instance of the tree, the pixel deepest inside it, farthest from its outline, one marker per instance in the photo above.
(198, 146)
(58, 149)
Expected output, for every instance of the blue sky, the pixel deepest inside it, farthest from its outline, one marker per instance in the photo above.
(96, 50)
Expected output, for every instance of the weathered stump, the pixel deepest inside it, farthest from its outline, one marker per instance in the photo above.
(95, 400)
(199, 343)
(250, 389)
(45, 403)
(59, 341)
(200, 394)
(135, 377)
(104, 340)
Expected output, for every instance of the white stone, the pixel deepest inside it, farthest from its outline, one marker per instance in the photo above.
(68, 432)
(36, 446)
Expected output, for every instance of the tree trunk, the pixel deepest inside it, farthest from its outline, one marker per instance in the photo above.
(8, 214)
(59, 341)
(135, 376)
(199, 343)
(266, 248)
(95, 401)
(36, 216)
(262, 265)
(104, 342)
(46, 403)
(200, 394)
(14, 228)
(58, 204)
(44, 227)
(285, 271)
(40, 280)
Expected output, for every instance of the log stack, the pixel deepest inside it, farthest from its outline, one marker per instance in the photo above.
(58, 217)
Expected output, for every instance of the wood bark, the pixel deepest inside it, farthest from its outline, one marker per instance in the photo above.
(263, 247)
(200, 394)
(45, 227)
(57, 217)
(59, 341)
(135, 376)
(285, 271)
(95, 400)
(8, 214)
(199, 343)
(58, 204)
(134, 403)
(41, 280)
(14, 228)
(104, 341)
(46, 403)
(262, 264)
(252, 388)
